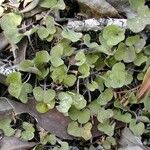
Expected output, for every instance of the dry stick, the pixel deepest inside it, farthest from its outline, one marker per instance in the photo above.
(93, 24)
(31, 6)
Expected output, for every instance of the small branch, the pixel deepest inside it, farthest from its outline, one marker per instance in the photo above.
(93, 24)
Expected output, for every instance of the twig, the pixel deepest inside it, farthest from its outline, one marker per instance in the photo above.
(93, 24)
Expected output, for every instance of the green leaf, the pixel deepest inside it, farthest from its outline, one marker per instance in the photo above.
(126, 117)
(42, 107)
(86, 131)
(49, 95)
(20, 91)
(137, 128)
(117, 77)
(73, 129)
(78, 100)
(94, 107)
(28, 132)
(113, 34)
(53, 4)
(65, 102)
(136, 4)
(58, 73)
(69, 80)
(9, 23)
(14, 77)
(87, 42)
(140, 59)
(71, 35)
(41, 57)
(129, 55)
(25, 90)
(146, 101)
(15, 89)
(50, 24)
(48, 138)
(100, 82)
(56, 61)
(80, 58)
(106, 128)
(82, 116)
(139, 22)
(43, 32)
(57, 50)
(92, 86)
(103, 115)
(91, 59)
(27, 66)
(67, 48)
(132, 40)
(1, 11)
(6, 126)
(84, 70)
(105, 97)
(45, 96)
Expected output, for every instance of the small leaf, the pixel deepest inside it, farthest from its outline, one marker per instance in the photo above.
(57, 50)
(137, 129)
(56, 61)
(139, 22)
(58, 73)
(27, 66)
(140, 59)
(14, 77)
(86, 131)
(71, 35)
(105, 97)
(47, 138)
(6, 126)
(49, 95)
(41, 57)
(132, 40)
(50, 24)
(78, 100)
(53, 4)
(73, 129)
(136, 4)
(103, 115)
(82, 116)
(43, 32)
(84, 70)
(28, 132)
(87, 42)
(113, 34)
(92, 86)
(42, 107)
(80, 58)
(106, 128)
(69, 80)
(126, 117)
(65, 102)
(38, 94)
(94, 107)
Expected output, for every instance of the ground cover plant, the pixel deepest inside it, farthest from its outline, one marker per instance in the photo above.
(65, 88)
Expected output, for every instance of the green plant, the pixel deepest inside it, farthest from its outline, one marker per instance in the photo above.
(81, 76)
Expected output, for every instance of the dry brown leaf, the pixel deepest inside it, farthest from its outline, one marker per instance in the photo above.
(12, 143)
(145, 86)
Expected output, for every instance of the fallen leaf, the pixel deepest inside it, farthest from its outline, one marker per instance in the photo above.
(12, 143)
(129, 141)
(145, 86)
(52, 121)
(98, 8)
